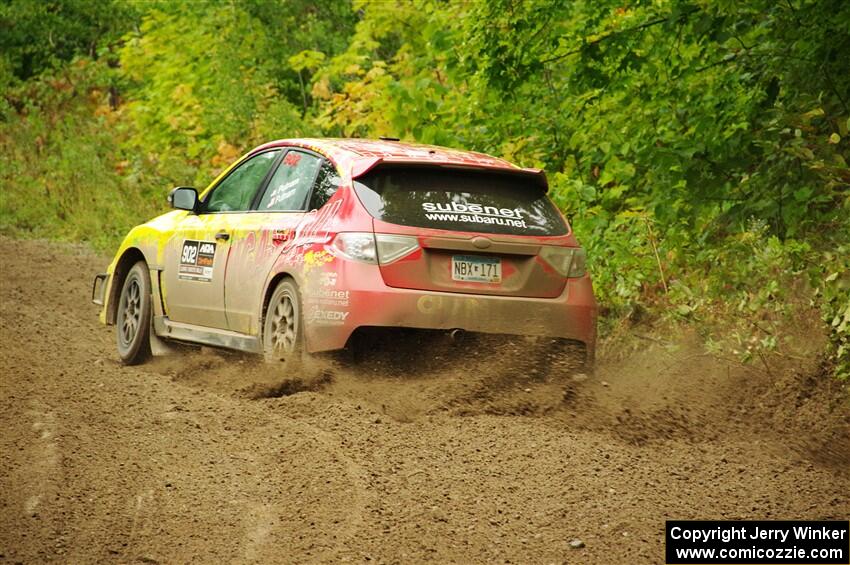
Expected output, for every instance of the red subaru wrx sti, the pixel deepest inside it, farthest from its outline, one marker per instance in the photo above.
(302, 242)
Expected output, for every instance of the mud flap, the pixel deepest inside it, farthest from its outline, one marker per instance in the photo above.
(159, 347)
(98, 288)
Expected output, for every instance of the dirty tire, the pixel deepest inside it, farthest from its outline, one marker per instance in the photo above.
(133, 321)
(283, 333)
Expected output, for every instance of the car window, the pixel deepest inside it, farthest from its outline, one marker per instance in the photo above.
(461, 200)
(291, 182)
(237, 190)
(327, 183)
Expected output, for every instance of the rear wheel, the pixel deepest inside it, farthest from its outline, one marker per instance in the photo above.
(283, 331)
(133, 322)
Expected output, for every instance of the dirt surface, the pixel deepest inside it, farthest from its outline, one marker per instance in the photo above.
(209, 457)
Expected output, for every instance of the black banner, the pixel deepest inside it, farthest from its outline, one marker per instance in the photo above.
(694, 542)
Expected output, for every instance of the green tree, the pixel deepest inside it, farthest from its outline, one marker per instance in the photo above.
(36, 35)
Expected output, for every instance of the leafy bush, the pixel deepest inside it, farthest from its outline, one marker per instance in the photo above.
(834, 299)
(61, 174)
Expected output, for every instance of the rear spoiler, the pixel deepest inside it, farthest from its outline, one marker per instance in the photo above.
(363, 166)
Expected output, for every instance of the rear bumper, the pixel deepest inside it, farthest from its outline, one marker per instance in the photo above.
(331, 315)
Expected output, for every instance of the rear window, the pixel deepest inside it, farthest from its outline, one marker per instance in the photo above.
(462, 200)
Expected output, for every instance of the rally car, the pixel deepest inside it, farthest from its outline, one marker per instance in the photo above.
(303, 242)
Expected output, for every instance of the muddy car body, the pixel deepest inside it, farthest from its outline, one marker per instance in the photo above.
(362, 234)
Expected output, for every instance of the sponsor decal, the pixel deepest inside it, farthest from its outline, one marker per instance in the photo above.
(292, 158)
(328, 296)
(320, 291)
(312, 230)
(315, 259)
(328, 278)
(256, 250)
(473, 213)
(328, 317)
(283, 192)
(196, 260)
(470, 308)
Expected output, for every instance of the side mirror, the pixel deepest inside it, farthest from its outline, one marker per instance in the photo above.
(184, 198)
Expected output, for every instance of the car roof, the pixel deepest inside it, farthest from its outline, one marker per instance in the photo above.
(359, 156)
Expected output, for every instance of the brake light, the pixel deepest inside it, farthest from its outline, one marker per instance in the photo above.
(380, 248)
(356, 246)
(567, 261)
(394, 247)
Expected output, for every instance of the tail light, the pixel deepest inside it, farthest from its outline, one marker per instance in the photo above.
(355, 246)
(567, 261)
(373, 248)
(393, 247)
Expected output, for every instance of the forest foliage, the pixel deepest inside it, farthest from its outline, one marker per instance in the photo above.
(699, 147)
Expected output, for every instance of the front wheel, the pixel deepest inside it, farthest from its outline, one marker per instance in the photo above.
(282, 331)
(133, 323)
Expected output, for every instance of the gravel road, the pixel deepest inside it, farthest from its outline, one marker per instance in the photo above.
(209, 457)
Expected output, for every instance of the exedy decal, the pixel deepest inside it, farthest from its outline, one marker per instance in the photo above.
(196, 260)
(317, 315)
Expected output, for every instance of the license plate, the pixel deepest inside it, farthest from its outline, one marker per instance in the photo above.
(469, 268)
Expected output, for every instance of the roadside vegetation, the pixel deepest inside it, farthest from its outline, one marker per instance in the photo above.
(700, 149)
